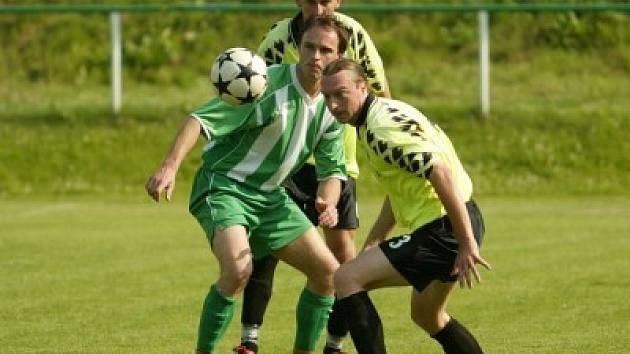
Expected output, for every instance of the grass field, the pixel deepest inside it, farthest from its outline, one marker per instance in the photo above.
(121, 275)
(89, 264)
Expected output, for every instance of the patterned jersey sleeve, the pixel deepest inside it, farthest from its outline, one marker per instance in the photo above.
(218, 118)
(274, 43)
(329, 152)
(404, 145)
(364, 52)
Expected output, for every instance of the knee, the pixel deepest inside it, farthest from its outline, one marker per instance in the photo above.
(323, 277)
(263, 271)
(430, 320)
(341, 244)
(234, 280)
(242, 275)
(343, 251)
(346, 282)
(328, 271)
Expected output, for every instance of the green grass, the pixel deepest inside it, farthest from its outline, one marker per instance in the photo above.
(120, 275)
(558, 126)
(87, 264)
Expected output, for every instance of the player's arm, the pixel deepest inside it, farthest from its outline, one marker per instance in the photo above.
(331, 170)
(372, 63)
(383, 225)
(266, 49)
(328, 192)
(163, 180)
(468, 253)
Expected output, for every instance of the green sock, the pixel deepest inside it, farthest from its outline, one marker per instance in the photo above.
(216, 315)
(312, 315)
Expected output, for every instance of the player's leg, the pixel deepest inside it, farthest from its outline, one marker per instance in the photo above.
(428, 310)
(309, 254)
(301, 188)
(436, 249)
(341, 244)
(340, 240)
(256, 298)
(370, 270)
(231, 248)
(428, 304)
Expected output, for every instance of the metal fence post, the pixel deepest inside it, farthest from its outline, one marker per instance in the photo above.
(114, 19)
(484, 63)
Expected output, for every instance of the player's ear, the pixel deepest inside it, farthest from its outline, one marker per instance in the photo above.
(363, 86)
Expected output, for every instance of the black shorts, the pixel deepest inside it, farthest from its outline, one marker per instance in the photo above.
(302, 188)
(429, 252)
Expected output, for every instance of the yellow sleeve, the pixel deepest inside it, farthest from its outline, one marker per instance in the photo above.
(362, 50)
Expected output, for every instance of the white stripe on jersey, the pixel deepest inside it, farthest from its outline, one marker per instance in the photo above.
(204, 129)
(209, 145)
(259, 117)
(265, 141)
(327, 121)
(304, 119)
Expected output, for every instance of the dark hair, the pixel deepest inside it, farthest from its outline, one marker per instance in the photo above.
(346, 64)
(331, 23)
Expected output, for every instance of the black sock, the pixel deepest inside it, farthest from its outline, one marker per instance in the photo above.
(455, 339)
(364, 323)
(337, 324)
(258, 291)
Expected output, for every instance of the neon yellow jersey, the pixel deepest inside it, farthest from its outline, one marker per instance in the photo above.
(280, 46)
(400, 146)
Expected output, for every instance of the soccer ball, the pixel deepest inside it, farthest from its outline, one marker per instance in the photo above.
(239, 75)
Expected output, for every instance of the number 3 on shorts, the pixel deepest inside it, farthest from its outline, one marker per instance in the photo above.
(401, 240)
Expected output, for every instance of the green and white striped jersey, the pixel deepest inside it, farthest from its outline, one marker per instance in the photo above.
(262, 143)
(280, 46)
(401, 146)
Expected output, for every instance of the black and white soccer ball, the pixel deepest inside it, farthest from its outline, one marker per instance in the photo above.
(239, 76)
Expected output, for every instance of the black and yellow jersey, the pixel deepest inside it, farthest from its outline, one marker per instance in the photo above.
(400, 146)
(281, 46)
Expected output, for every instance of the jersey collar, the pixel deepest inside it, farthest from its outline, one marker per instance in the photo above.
(298, 86)
(294, 29)
(364, 111)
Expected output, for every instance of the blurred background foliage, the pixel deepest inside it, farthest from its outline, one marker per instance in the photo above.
(173, 48)
(560, 83)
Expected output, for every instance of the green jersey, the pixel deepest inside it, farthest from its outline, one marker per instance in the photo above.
(261, 143)
(400, 146)
(280, 45)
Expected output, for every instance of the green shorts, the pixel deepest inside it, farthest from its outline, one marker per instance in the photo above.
(272, 219)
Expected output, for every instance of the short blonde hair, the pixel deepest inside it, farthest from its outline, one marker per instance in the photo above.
(346, 64)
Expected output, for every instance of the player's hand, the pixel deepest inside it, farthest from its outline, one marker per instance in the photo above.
(465, 265)
(328, 216)
(162, 182)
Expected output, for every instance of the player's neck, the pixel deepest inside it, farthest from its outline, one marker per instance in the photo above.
(360, 116)
(310, 84)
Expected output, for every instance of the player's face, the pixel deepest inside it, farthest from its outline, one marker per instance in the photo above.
(318, 48)
(313, 8)
(344, 95)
